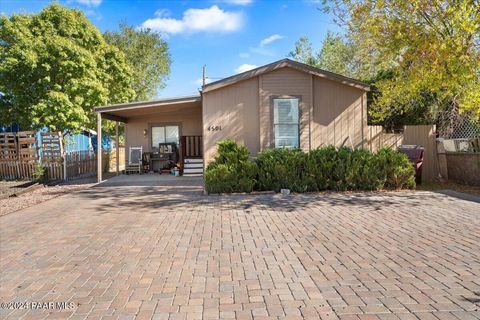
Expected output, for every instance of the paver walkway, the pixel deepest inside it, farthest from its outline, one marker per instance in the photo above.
(119, 252)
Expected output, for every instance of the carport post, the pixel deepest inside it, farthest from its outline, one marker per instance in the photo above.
(99, 147)
(117, 146)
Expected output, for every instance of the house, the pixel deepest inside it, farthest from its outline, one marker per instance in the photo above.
(85, 140)
(282, 104)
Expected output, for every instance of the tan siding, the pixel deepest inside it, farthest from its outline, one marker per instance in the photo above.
(235, 109)
(190, 121)
(337, 114)
(284, 82)
(330, 111)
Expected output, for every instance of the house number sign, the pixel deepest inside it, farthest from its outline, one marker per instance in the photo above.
(214, 128)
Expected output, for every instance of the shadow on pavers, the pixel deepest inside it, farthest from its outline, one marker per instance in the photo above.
(459, 195)
(144, 192)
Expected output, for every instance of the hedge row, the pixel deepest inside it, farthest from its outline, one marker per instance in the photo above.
(326, 168)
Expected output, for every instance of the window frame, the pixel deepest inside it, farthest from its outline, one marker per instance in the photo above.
(163, 124)
(272, 118)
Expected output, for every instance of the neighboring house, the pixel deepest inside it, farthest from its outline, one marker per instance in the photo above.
(83, 141)
(282, 104)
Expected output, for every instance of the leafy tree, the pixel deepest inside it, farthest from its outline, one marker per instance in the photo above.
(148, 57)
(303, 52)
(55, 67)
(432, 49)
(337, 55)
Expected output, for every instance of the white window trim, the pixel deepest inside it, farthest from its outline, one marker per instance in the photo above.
(274, 124)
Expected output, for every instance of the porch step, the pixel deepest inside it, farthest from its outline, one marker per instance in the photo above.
(193, 160)
(193, 167)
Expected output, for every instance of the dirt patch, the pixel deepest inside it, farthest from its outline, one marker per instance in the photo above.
(10, 187)
(44, 193)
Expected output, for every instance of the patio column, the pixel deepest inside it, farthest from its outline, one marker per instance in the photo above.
(117, 151)
(99, 147)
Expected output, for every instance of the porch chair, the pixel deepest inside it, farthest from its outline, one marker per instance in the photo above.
(134, 160)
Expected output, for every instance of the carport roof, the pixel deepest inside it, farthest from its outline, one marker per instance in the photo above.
(117, 111)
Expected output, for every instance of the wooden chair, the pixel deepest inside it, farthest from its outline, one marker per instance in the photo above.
(134, 160)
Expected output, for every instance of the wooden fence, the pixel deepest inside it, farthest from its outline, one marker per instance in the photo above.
(420, 135)
(84, 163)
(51, 155)
(20, 153)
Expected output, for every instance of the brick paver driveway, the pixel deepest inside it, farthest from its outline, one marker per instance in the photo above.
(139, 251)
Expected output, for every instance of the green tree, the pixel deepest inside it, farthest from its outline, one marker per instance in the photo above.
(431, 48)
(337, 55)
(55, 67)
(303, 52)
(148, 57)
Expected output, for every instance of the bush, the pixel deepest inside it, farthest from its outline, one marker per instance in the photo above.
(39, 172)
(285, 169)
(325, 168)
(396, 169)
(231, 171)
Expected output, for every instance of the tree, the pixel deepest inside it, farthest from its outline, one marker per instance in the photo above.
(336, 54)
(55, 67)
(148, 57)
(303, 52)
(431, 48)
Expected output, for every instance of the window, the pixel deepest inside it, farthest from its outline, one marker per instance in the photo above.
(286, 123)
(163, 134)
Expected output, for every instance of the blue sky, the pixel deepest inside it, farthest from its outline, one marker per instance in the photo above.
(228, 36)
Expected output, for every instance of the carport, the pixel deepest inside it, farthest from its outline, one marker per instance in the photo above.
(175, 120)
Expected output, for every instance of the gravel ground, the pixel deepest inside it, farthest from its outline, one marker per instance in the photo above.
(12, 204)
(9, 187)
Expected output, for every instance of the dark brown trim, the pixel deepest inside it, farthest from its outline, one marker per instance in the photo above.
(146, 104)
(114, 117)
(281, 64)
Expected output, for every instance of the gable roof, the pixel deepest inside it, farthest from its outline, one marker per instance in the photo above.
(282, 64)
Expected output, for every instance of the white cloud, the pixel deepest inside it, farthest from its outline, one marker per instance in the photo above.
(211, 19)
(245, 67)
(268, 40)
(90, 3)
(239, 2)
(162, 13)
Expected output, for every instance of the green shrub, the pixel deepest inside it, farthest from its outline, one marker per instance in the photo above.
(39, 172)
(285, 168)
(324, 160)
(325, 168)
(367, 176)
(231, 171)
(396, 169)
